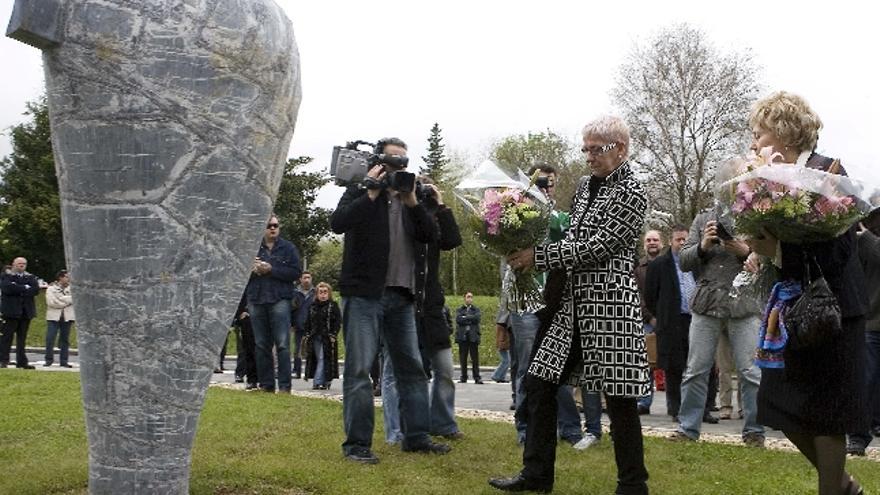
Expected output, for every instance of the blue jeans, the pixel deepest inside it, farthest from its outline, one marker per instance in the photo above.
(647, 400)
(390, 402)
(872, 386)
(62, 330)
(703, 342)
(271, 324)
(501, 371)
(442, 395)
(364, 322)
(318, 352)
(525, 328)
(592, 402)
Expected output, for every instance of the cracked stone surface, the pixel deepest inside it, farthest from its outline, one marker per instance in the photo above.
(171, 121)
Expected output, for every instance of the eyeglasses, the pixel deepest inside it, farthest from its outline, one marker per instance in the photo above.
(271, 225)
(598, 150)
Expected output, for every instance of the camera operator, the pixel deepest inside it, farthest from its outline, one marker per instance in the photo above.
(385, 229)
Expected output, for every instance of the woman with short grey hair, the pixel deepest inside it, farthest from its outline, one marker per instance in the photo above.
(595, 338)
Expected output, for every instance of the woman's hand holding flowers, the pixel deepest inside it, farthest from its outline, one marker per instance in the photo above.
(522, 260)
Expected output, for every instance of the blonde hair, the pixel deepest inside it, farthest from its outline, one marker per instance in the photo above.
(609, 128)
(325, 285)
(790, 118)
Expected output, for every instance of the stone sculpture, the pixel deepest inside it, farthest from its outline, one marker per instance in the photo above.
(171, 121)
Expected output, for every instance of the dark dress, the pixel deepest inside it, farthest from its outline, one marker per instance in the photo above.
(819, 391)
(323, 322)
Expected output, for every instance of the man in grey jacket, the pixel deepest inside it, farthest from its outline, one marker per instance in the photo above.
(715, 263)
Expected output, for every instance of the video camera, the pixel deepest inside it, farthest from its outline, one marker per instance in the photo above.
(350, 165)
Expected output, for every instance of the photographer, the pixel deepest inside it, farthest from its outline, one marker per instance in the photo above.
(715, 262)
(385, 228)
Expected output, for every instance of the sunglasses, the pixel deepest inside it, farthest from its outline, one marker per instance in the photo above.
(598, 150)
(271, 225)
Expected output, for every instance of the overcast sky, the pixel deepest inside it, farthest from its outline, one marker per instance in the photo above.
(487, 69)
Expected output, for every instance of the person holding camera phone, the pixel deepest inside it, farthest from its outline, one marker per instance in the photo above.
(715, 262)
(385, 229)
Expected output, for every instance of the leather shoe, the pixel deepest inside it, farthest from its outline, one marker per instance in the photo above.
(26, 367)
(428, 448)
(520, 483)
(478, 381)
(708, 418)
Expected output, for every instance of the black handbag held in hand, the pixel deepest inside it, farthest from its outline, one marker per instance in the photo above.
(814, 320)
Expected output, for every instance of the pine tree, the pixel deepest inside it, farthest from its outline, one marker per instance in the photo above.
(435, 162)
(301, 221)
(30, 209)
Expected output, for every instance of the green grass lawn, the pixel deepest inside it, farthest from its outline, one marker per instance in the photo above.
(265, 444)
(487, 304)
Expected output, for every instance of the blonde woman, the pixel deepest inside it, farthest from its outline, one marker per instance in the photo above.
(321, 332)
(815, 399)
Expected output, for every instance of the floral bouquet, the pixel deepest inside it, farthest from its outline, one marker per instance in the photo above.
(507, 215)
(793, 203)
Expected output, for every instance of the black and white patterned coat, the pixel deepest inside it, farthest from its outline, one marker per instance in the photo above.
(600, 296)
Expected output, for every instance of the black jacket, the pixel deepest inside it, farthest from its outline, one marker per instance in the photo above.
(433, 329)
(663, 300)
(838, 258)
(367, 242)
(468, 320)
(18, 291)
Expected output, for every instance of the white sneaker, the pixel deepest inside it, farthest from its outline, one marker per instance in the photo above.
(588, 441)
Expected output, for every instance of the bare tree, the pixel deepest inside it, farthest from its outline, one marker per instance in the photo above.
(687, 106)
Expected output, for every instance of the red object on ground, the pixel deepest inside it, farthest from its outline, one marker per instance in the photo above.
(659, 380)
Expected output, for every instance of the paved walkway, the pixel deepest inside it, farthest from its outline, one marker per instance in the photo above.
(492, 401)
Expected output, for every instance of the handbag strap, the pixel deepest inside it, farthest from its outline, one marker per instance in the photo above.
(810, 259)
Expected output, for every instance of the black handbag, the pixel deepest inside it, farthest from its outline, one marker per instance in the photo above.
(814, 319)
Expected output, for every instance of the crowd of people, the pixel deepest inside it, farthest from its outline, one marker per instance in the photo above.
(691, 304)
(602, 296)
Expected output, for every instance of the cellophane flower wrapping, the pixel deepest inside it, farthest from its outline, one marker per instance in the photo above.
(793, 203)
(507, 215)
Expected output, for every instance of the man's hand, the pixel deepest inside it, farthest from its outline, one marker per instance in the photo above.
(710, 235)
(244, 315)
(522, 260)
(438, 195)
(736, 247)
(261, 267)
(377, 173)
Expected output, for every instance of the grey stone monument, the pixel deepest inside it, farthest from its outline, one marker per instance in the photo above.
(171, 121)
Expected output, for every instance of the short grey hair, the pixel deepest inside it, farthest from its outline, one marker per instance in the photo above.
(609, 128)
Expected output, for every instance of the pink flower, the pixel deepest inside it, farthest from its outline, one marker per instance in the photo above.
(763, 205)
(827, 205)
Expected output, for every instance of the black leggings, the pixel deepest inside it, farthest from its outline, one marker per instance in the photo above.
(539, 455)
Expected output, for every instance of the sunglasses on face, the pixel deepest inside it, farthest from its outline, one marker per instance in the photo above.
(272, 226)
(598, 150)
